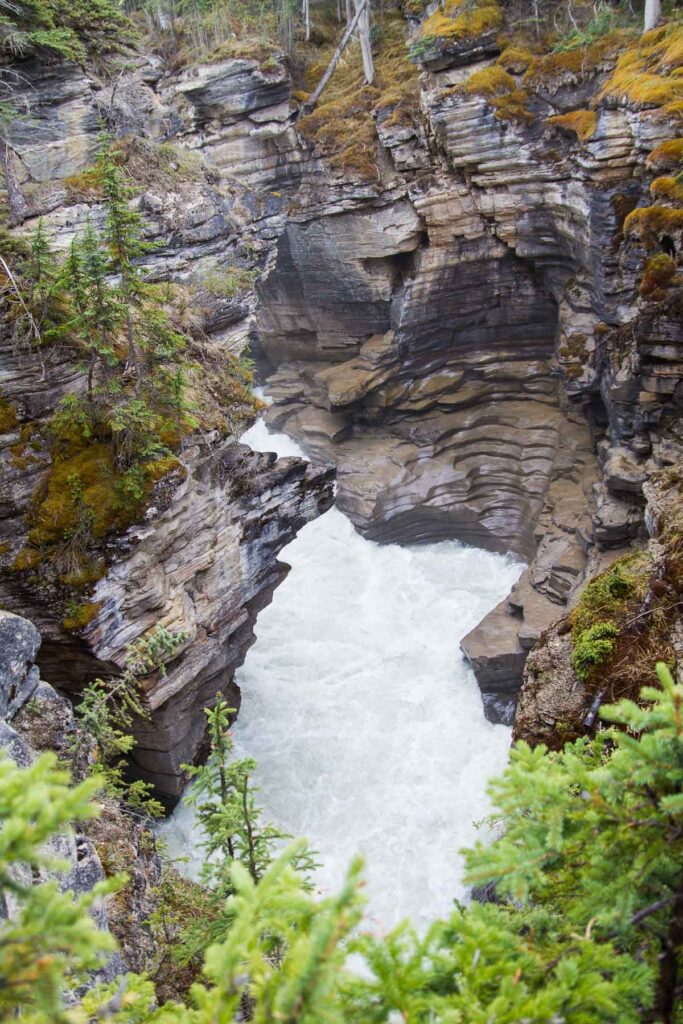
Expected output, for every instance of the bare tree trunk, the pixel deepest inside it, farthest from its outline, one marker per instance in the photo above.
(307, 19)
(339, 11)
(18, 210)
(174, 32)
(653, 12)
(349, 13)
(287, 30)
(365, 45)
(329, 70)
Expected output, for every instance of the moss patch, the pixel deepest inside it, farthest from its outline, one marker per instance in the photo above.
(646, 72)
(501, 92)
(667, 155)
(84, 187)
(624, 621)
(245, 47)
(592, 646)
(650, 223)
(79, 615)
(8, 417)
(581, 123)
(491, 81)
(84, 499)
(460, 20)
(516, 59)
(658, 276)
(25, 452)
(578, 64)
(668, 190)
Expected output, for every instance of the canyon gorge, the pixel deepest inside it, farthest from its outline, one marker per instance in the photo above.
(450, 323)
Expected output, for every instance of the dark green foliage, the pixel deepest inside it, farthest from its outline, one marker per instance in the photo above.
(589, 928)
(36, 306)
(224, 799)
(51, 935)
(125, 331)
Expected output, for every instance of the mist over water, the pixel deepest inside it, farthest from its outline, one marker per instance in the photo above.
(364, 718)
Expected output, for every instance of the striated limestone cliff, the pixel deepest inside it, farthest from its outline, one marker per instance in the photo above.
(458, 331)
(202, 560)
(483, 367)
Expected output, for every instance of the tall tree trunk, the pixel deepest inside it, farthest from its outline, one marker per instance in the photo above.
(349, 13)
(18, 210)
(365, 46)
(339, 10)
(307, 19)
(653, 12)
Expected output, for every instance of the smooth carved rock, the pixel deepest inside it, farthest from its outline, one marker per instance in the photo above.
(437, 334)
(460, 428)
(204, 566)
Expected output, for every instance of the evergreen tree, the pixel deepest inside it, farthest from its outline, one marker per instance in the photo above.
(226, 810)
(48, 940)
(587, 930)
(99, 308)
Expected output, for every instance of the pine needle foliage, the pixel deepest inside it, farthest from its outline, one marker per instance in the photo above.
(71, 29)
(224, 798)
(588, 926)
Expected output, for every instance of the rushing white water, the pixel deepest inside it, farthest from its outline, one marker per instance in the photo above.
(364, 718)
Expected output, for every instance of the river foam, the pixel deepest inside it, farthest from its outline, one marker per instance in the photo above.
(365, 719)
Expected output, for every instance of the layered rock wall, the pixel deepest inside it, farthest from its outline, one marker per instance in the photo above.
(204, 560)
(461, 337)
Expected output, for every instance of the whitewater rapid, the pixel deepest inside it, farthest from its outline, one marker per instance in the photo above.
(365, 720)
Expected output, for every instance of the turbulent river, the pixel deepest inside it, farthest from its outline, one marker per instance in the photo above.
(365, 720)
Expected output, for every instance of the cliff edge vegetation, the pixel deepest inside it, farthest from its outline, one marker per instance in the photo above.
(585, 925)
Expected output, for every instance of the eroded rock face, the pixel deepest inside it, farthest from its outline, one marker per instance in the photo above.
(202, 564)
(461, 339)
(204, 567)
(204, 561)
(463, 374)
